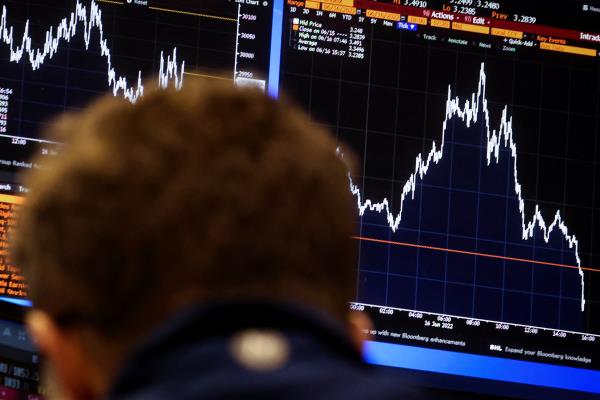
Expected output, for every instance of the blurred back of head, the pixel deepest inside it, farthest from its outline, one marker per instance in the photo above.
(203, 194)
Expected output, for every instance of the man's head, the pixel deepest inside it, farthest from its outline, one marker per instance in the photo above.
(208, 193)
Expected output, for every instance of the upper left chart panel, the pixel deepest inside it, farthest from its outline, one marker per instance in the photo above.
(58, 55)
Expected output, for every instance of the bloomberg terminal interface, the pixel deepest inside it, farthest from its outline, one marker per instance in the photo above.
(477, 127)
(477, 124)
(57, 55)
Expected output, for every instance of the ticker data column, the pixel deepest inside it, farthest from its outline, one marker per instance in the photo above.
(252, 42)
(315, 36)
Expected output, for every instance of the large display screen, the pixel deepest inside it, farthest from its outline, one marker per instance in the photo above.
(477, 127)
(477, 130)
(58, 55)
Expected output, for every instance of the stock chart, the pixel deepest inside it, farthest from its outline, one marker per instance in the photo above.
(475, 128)
(58, 56)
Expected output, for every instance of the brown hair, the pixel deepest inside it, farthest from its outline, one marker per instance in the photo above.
(206, 193)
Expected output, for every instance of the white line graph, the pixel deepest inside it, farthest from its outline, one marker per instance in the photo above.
(469, 112)
(86, 19)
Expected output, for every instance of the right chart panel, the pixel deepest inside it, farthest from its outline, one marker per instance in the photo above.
(475, 126)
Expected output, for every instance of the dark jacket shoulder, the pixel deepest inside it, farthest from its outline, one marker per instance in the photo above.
(251, 351)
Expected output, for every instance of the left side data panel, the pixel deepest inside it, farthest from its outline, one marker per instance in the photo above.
(59, 55)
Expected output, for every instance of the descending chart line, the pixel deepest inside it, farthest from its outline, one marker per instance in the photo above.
(469, 113)
(170, 69)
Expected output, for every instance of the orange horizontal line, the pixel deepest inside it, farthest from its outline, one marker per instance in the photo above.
(207, 76)
(119, 3)
(472, 253)
(193, 13)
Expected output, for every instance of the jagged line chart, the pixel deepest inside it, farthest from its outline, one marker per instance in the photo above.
(89, 19)
(469, 112)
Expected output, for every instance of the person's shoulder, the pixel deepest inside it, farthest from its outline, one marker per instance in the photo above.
(297, 357)
(367, 384)
(316, 373)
